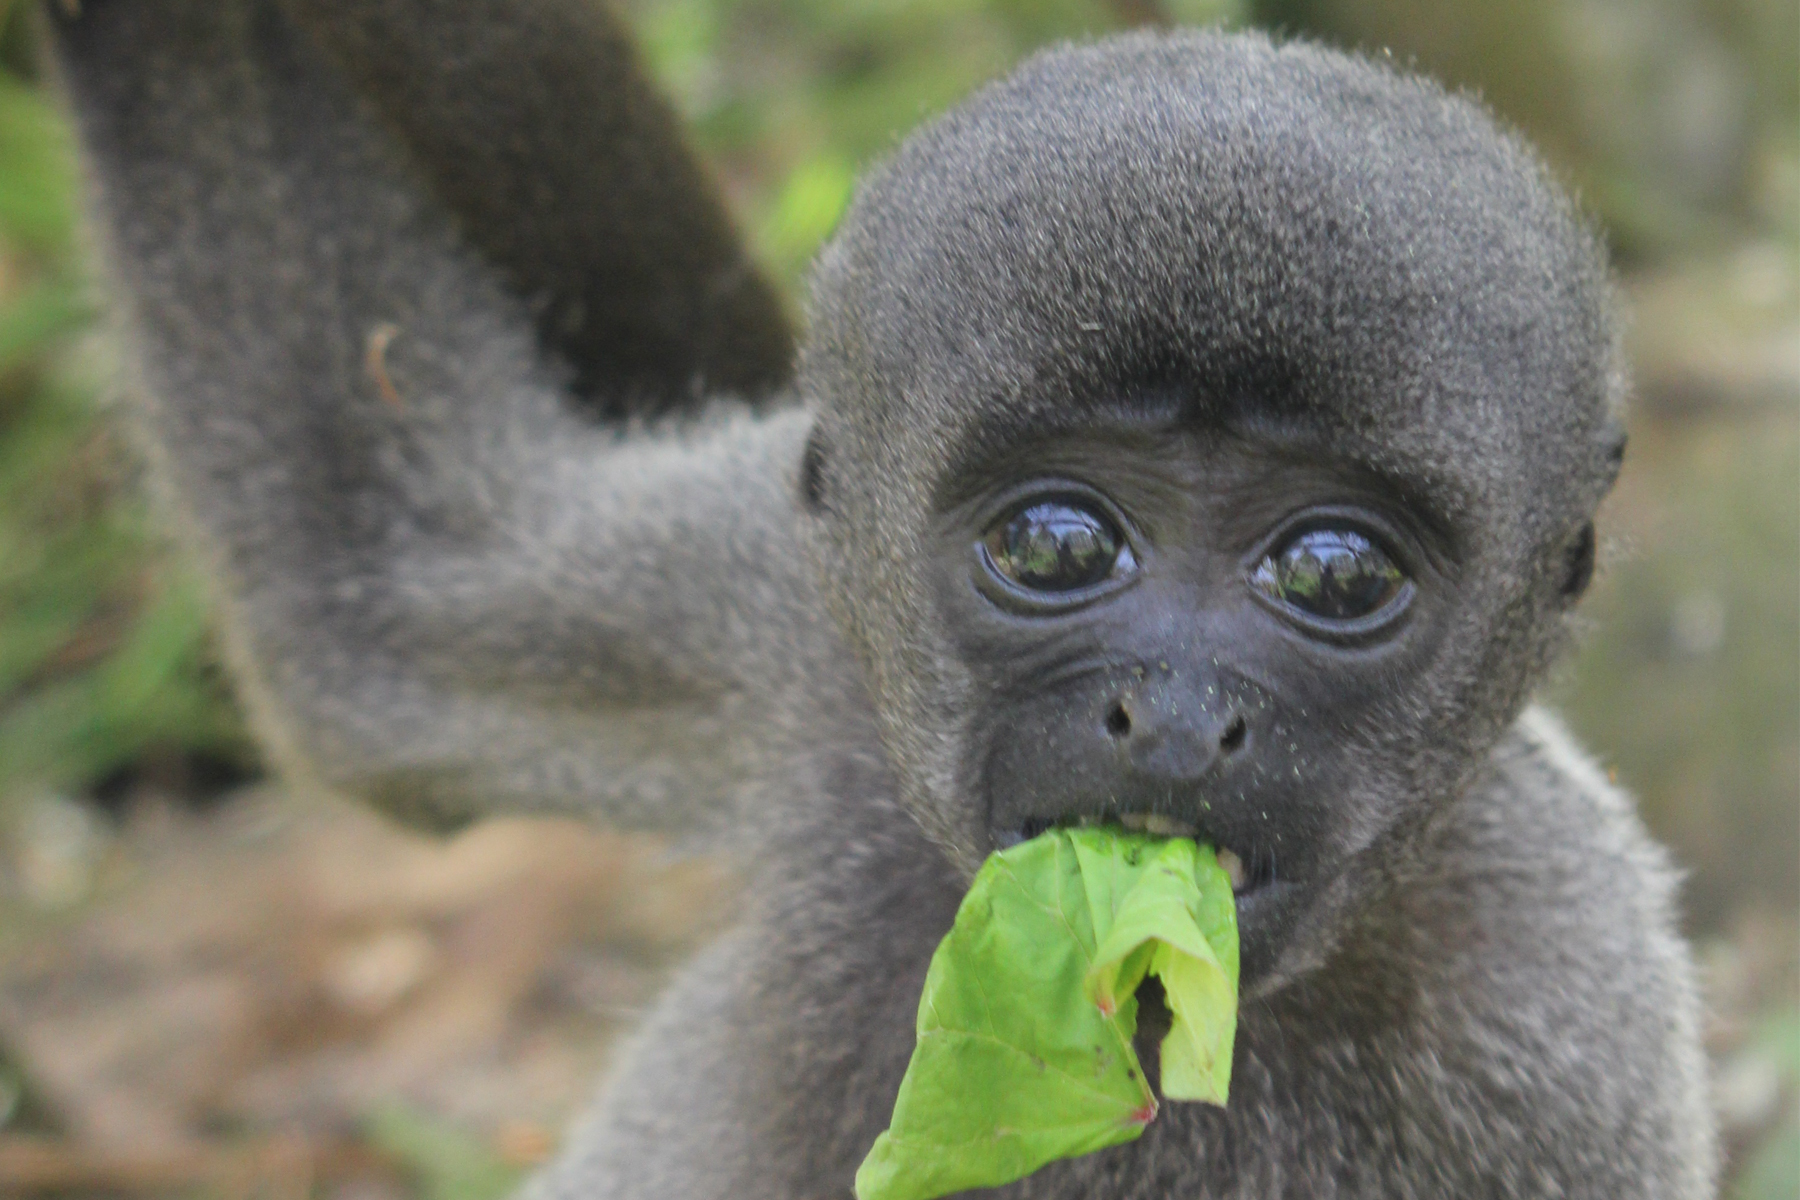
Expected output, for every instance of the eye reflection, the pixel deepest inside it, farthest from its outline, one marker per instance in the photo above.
(1057, 546)
(1336, 574)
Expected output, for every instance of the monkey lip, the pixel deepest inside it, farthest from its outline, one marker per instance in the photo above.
(1245, 880)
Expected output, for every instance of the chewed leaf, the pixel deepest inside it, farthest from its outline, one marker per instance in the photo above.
(1196, 1053)
(973, 1125)
(1025, 1025)
(1159, 925)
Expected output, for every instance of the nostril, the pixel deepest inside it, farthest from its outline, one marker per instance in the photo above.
(1118, 721)
(1232, 740)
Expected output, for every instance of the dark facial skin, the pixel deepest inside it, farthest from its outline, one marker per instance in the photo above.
(1167, 665)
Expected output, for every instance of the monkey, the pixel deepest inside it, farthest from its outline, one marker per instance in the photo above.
(1192, 430)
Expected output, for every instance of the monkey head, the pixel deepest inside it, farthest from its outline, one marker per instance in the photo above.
(1208, 437)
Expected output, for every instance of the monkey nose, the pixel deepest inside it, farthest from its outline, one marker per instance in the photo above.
(1173, 738)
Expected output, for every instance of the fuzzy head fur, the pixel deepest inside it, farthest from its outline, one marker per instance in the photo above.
(1277, 233)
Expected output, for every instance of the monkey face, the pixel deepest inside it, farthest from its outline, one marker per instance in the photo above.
(1212, 633)
(1227, 471)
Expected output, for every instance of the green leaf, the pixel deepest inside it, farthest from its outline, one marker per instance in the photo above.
(1178, 922)
(1025, 1025)
(448, 1163)
(37, 170)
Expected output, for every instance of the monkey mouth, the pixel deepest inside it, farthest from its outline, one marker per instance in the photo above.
(1248, 877)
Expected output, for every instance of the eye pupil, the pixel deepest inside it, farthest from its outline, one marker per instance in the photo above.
(1337, 574)
(1055, 546)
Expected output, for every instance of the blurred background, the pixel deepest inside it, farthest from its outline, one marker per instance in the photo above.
(210, 989)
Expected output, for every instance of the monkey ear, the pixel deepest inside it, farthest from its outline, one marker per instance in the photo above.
(391, 274)
(813, 462)
(1578, 564)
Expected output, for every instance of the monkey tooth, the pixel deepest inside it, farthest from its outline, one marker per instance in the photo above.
(1234, 867)
(1163, 825)
(1155, 824)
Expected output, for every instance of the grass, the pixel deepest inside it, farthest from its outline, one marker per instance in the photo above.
(105, 657)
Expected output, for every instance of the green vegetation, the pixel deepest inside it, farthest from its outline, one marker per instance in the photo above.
(1686, 677)
(104, 649)
(445, 1161)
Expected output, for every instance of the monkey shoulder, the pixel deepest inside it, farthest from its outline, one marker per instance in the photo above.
(1541, 990)
(1546, 857)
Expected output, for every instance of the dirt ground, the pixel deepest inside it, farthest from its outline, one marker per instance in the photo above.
(291, 994)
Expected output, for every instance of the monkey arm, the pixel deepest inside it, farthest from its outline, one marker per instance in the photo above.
(448, 588)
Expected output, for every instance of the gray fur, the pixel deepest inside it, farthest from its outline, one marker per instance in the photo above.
(464, 573)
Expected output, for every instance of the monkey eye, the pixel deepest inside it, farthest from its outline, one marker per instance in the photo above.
(1334, 574)
(1057, 546)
